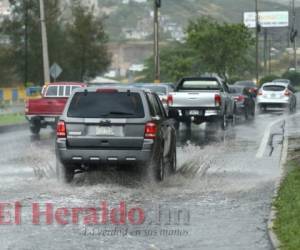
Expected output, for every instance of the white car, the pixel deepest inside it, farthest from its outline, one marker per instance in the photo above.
(276, 95)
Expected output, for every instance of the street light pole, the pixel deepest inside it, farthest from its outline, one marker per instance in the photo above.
(44, 43)
(294, 34)
(257, 40)
(157, 5)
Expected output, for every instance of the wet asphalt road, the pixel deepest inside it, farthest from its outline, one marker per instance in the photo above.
(223, 190)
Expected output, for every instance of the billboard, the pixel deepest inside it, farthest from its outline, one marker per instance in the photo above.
(267, 19)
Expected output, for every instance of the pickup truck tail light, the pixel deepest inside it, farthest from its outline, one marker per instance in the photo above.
(170, 100)
(26, 107)
(150, 130)
(218, 100)
(61, 130)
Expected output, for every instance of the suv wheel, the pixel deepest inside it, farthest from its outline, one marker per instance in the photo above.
(156, 169)
(173, 160)
(64, 172)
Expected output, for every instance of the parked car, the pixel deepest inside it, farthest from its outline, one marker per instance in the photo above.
(248, 84)
(202, 99)
(245, 103)
(45, 111)
(117, 125)
(276, 95)
(162, 90)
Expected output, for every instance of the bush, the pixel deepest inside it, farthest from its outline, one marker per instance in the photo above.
(293, 76)
(268, 78)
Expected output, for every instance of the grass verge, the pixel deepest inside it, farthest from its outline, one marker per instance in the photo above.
(287, 203)
(10, 119)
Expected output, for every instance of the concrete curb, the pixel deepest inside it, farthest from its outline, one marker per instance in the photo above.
(272, 216)
(14, 127)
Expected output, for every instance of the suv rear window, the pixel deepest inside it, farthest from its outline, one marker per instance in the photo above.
(106, 105)
(274, 88)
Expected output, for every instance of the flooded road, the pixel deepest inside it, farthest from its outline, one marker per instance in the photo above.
(219, 199)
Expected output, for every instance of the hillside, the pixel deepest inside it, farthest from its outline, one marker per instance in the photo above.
(133, 15)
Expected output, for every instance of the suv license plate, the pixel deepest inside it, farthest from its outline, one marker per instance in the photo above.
(194, 112)
(104, 131)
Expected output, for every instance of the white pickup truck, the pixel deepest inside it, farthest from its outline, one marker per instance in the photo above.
(202, 99)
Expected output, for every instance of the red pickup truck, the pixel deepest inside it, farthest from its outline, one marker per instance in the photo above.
(45, 111)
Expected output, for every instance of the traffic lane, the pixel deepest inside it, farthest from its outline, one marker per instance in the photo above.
(227, 193)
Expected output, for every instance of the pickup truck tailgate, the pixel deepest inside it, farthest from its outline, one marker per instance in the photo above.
(194, 99)
(46, 106)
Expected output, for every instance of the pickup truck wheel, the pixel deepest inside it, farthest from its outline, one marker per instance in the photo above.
(35, 127)
(64, 172)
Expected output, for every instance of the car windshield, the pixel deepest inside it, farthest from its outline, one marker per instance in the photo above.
(246, 84)
(106, 105)
(236, 90)
(274, 88)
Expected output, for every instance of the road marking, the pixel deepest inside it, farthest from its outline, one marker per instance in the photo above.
(264, 142)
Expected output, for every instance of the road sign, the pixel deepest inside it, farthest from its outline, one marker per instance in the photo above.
(267, 19)
(55, 71)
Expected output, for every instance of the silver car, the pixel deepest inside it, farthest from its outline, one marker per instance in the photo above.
(276, 95)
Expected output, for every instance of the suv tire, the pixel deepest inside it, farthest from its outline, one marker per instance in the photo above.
(64, 172)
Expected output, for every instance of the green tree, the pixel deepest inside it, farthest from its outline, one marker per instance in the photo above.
(176, 61)
(223, 48)
(87, 54)
(77, 44)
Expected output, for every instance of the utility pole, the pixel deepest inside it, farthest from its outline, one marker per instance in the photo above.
(265, 50)
(294, 34)
(270, 56)
(257, 26)
(44, 43)
(26, 42)
(157, 5)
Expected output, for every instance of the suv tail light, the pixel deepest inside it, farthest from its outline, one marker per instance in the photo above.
(218, 100)
(61, 130)
(170, 100)
(150, 130)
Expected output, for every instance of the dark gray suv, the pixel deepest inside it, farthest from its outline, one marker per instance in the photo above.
(115, 125)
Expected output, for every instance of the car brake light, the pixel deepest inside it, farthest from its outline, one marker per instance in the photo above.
(150, 130)
(170, 100)
(61, 130)
(287, 93)
(240, 98)
(218, 100)
(107, 91)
